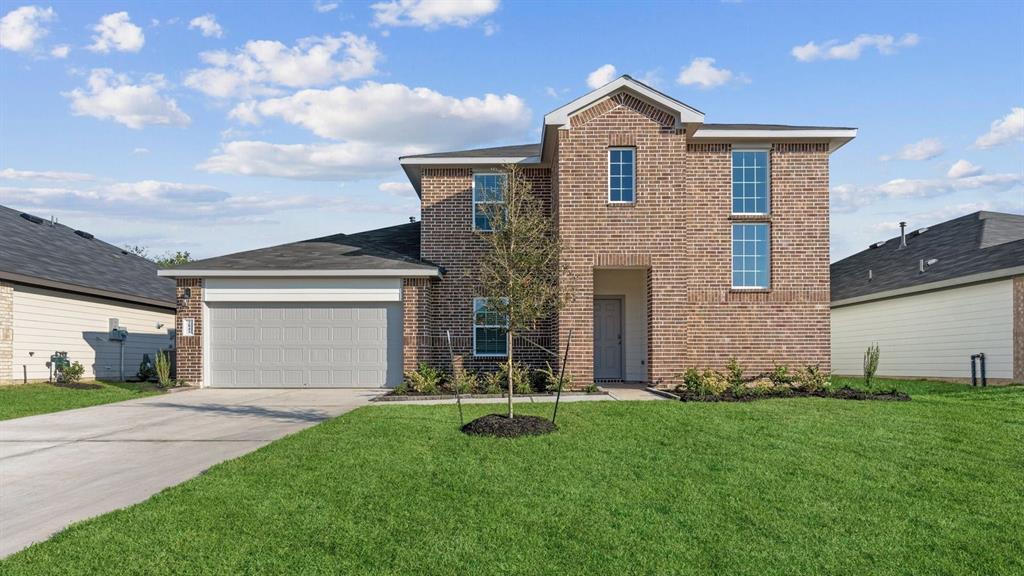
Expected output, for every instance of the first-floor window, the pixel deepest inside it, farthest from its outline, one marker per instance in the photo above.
(490, 330)
(751, 255)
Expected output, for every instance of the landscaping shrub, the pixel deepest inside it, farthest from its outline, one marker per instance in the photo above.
(146, 371)
(492, 382)
(71, 373)
(521, 383)
(760, 387)
(812, 379)
(550, 379)
(464, 381)
(707, 383)
(425, 379)
(163, 370)
(781, 376)
(734, 375)
(870, 364)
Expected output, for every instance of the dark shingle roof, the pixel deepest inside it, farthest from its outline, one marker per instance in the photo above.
(500, 151)
(391, 248)
(972, 244)
(767, 127)
(58, 256)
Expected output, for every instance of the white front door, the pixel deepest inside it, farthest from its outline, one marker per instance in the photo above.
(607, 339)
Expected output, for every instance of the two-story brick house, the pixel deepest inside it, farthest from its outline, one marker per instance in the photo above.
(685, 243)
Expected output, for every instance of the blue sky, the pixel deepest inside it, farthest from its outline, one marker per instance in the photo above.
(214, 127)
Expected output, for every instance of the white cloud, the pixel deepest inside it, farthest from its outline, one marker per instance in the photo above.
(833, 50)
(601, 76)
(490, 28)
(397, 188)
(324, 7)
(112, 96)
(431, 14)
(207, 25)
(848, 198)
(1004, 130)
(21, 28)
(963, 168)
(702, 72)
(921, 150)
(140, 151)
(60, 51)
(53, 176)
(116, 32)
(398, 114)
(324, 162)
(262, 67)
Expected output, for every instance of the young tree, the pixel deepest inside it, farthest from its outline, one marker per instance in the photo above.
(519, 274)
(870, 364)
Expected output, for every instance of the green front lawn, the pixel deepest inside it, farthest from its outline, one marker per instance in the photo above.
(794, 486)
(30, 399)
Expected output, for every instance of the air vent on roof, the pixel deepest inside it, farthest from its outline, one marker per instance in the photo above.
(31, 218)
(922, 230)
(877, 245)
(84, 234)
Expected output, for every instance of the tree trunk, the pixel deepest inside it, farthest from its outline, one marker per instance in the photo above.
(510, 387)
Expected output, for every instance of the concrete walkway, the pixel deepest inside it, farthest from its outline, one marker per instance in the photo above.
(60, 468)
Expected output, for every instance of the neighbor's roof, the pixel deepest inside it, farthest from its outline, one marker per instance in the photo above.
(517, 151)
(975, 247)
(392, 251)
(34, 252)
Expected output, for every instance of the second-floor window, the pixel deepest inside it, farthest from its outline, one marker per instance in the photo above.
(621, 175)
(751, 256)
(750, 182)
(487, 196)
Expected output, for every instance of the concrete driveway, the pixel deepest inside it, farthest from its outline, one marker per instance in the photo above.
(60, 468)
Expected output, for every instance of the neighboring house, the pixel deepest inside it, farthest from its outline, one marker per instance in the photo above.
(933, 297)
(59, 290)
(685, 244)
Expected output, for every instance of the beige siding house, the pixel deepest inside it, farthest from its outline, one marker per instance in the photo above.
(61, 290)
(932, 299)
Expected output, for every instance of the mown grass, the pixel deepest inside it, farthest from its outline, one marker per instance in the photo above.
(793, 486)
(30, 399)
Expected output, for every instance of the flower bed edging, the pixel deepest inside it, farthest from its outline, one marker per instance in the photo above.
(844, 393)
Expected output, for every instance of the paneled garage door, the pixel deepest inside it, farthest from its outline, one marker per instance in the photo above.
(305, 345)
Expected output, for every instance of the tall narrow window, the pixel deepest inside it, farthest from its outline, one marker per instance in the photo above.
(487, 193)
(750, 181)
(490, 330)
(621, 175)
(751, 256)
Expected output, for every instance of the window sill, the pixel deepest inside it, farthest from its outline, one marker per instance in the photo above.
(612, 203)
(740, 289)
(751, 217)
(490, 356)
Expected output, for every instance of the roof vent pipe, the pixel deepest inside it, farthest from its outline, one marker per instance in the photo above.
(903, 235)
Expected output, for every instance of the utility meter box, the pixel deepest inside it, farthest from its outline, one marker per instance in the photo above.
(118, 335)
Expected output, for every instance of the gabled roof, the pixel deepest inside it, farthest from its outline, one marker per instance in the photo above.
(393, 251)
(35, 252)
(684, 113)
(975, 247)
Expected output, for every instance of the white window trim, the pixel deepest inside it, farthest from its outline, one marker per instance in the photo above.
(475, 202)
(767, 179)
(732, 254)
(475, 326)
(632, 175)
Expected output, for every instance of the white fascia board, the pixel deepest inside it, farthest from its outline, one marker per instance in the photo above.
(939, 285)
(468, 161)
(775, 134)
(686, 114)
(393, 273)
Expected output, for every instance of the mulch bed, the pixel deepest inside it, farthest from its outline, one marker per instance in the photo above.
(77, 386)
(844, 393)
(501, 426)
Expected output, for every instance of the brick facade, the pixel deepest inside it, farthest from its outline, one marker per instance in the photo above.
(6, 333)
(189, 349)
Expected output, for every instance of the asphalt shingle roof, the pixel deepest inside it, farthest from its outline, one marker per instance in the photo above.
(391, 248)
(972, 244)
(497, 152)
(58, 254)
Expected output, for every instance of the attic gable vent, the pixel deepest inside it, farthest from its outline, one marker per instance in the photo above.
(31, 218)
(84, 234)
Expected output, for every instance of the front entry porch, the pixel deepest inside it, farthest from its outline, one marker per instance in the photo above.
(620, 325)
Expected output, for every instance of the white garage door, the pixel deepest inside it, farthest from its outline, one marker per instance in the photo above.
(305, 345)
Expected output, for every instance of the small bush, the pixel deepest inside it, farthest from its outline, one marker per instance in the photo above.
(464, 382)
(760, 387)
(708, 383)
(425, 379)
(402, 389)
(734, 374)
(492, 383)
(691, 379)
(591, 388)
(870, 364)
(521, 383)
(781, 376)
(812, 379)
(550, 379)
(163, 370)
(71, 373)
(146, 371)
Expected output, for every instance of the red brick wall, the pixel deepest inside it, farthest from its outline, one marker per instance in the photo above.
(189, 349)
